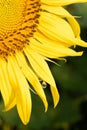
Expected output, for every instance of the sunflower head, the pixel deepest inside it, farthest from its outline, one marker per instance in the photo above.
(31, 32)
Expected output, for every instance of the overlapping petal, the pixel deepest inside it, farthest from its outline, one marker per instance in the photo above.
(60, 11)
(21, 88)
(42, 70)
(5, 86)
(48, 48)
(31, 77)
(62, 2)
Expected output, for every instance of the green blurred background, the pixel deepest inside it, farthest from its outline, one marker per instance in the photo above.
(71, 79)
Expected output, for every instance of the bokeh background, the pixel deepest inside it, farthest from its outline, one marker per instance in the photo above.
(71, 79)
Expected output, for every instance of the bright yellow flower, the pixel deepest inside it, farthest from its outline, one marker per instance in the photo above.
(31, 32)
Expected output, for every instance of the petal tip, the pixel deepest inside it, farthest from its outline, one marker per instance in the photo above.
(56, 102)
(46, 107)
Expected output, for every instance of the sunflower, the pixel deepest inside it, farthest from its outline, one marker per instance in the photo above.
(31, 33)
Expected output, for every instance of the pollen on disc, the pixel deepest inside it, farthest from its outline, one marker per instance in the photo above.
(11, 14)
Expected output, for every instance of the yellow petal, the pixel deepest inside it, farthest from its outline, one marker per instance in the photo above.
(81, 42)
(60, 11)
(41, 68)
(62, 2)
(52, 49)
(31, 77)
(56, 28)
(5, 87)
(13, 83)
(21, 88)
